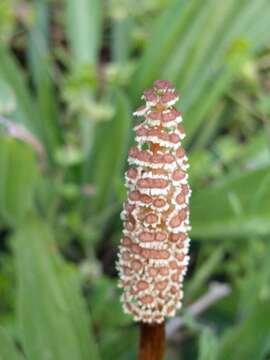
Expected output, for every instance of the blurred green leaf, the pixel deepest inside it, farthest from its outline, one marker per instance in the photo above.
(121, 40)
(110, 151)
(7, 98)
(7, 347)
(18, 170)
(13, 76)
(238, 206)
(249, 339)
(53, 321)
(83, 23)
(208, 345)
(41, 68)
(167, 33)
(106, 306)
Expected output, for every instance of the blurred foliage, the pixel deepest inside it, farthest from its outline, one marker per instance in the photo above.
(70, 74)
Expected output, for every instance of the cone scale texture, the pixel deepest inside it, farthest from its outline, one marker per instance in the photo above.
(153, 251)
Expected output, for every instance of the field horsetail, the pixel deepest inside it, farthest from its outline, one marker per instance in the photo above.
(153, 254)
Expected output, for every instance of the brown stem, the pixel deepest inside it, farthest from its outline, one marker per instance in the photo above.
(152, 341)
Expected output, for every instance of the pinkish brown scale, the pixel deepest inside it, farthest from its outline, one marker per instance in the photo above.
(136, 265)
(164, 271)
(159, 183)
(126, 255)
(151, 219)
(164, 136)
(146, 253)
(152, 271)
(147, 299)
(143, 183)
(175, 221)
(134, 195)
(142, 131)
(127, 271)
(185, 189)
(180, 152)
(180, 245)
(149, 95)
(168, 158)
(169, 96)
(145, 156)
(146, 199)
(142, 285)
(157, 159)
(181, 129)
(173, 264)
(180, 256)
(141, 215)
(159, 203)
(129, 208)
(170, 115)
(132, 173)
(154, 115)
(182, 214)
(136, 248)
(163, 85)
(146, 236)
(174, 138)
(133, 152)
(164, 254)
(178, 237)
(161, 285)
(178, 175)
(154, 132)
(126, 241)
(180, 199)
(161, 236)
(129, 226)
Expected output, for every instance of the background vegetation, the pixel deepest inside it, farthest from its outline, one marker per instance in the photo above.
(70, 74)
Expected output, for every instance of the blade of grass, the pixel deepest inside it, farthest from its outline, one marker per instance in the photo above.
(13, 75)
(239, 211)
(109, 155)
(53, 320)
(7, 347)
(168, 32)
(121, 35)
(84, 29)
(41, 66)
(84, 19)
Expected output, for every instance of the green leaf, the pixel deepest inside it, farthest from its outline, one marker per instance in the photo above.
(7, 347)
(7, 99)
(249, 339)
(53, 320)
(18, 170)
(11, 73)
(83, 23)
(121, 39)
(106, 306)
(168, 32)
(110, 150)
(208, 345)
(42, 71)
(236, 207)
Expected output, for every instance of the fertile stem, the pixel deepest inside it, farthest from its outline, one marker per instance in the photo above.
(152, 341)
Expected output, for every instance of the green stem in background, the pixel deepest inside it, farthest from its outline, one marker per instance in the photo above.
(121, 39)
(42, 70)
(152, 341)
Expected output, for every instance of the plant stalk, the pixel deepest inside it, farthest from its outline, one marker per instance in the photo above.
(152, 341)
